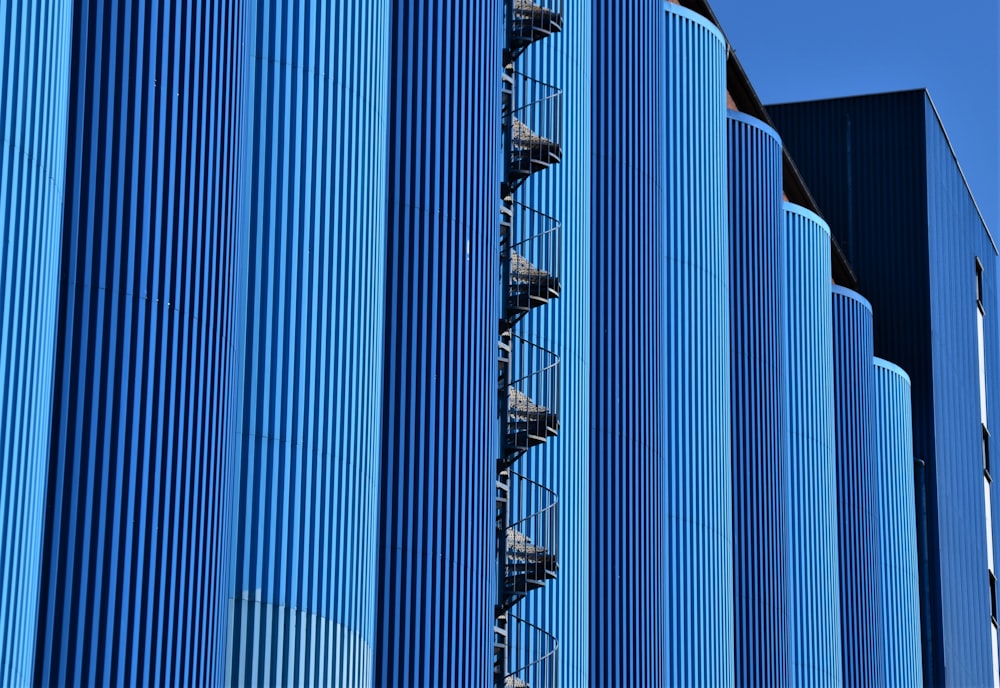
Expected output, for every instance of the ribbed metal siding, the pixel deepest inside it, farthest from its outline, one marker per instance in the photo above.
(627, 574)
(133, 584)
(694, 316)
(302, 598)
(34, 94)
(814, 655)
(439, 414)
(864, 161)
(893, 425)
(956, 237)
(882, 171)
(857, 491)
(563, 326)
(759, 442)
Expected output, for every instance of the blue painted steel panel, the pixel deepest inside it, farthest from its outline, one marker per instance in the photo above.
(135, 544)
(863, 159)
(436, 578)
(882, 170)
(857, 491)
(34, 97)
(759, 427)
(814, 654)
(563, 326)
(694, 317)
(302, 594)
(627, 575)
(956, 238)
(893, 425)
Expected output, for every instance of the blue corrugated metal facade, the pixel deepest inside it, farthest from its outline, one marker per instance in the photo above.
(563, 326)
(694, 316)
(813, 577)
(436, 576)
(758, 365)
(956, 239)
(884, 174)
(133, 569)
(626, 472)
(857, 489)
(251, 271)
(34, 97)
(302, 596)
(893, 424)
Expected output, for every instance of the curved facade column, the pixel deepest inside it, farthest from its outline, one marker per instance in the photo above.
(149, 322)
(437, 554)
(695, 321)
(34, 99)
(302, 594)
(563, 326)
(814, 656)
(759, 440)
(626, 439)
(857, 491)
(893, 426)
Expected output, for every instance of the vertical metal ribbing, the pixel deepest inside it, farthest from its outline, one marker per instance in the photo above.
(857, 491)
(814, 656)
(893, 430)
(135, 544)
(864, 159)
(434, 623)
(563, 326)
(882, 169)
(302, 594)
(34, 98)
(694, 317)
(759, 440)
(626, 438)
(958, 539)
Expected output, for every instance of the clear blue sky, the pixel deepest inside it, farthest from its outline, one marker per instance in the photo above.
(807, 49)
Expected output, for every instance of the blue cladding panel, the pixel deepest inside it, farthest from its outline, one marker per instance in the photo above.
(34, 92)
(759, 442)
(302, 598)
(956, 238)
(439, 415)
(893, 423)
(881, 169)
(857, 491)
(136, 536)
(863, 159)
(626, 469)
(697, 496)
(814, 655)
(563, 326)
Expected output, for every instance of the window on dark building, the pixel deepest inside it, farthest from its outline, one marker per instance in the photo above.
(993, 598)
(986, 454)
(979, 286)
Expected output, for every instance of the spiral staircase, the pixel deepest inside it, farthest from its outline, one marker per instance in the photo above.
(527, 516)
